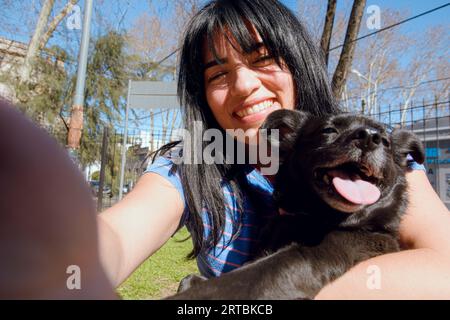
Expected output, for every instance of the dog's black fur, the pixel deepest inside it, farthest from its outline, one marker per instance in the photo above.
(321, 235)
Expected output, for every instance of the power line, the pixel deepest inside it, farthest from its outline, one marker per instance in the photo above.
(393, 25)
(399, 87)
(154, 114)
(167, 57)
(419, 84)
(357, 39)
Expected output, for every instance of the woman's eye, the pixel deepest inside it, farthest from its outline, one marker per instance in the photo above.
(262, 61)
(217, 76)
(329, 130)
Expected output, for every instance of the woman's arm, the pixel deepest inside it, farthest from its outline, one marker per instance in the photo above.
(137, 226)
(422, 272)
(48, 219)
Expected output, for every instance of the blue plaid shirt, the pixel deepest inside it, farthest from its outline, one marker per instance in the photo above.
(228, 255)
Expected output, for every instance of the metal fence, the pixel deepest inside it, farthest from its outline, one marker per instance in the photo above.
(104, 173)
(430, 121)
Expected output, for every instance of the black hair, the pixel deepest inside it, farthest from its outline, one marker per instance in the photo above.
(287, 40)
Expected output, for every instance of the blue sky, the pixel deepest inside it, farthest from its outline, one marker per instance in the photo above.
(415, 7)
(134, 8)
(412, 7)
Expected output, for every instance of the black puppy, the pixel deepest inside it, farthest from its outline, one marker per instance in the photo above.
(342, 189)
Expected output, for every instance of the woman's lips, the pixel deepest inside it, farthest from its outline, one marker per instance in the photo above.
(258, 116)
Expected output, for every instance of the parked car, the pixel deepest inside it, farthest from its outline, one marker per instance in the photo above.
(126, 188)
(107, 192)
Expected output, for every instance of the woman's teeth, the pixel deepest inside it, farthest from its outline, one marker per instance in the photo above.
(256, 108)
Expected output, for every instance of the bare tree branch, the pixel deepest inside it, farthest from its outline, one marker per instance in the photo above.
(55, 22)
(328, 28)
(33, 47)
(345, 59)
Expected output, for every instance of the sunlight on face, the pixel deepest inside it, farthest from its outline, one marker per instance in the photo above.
(244, 89)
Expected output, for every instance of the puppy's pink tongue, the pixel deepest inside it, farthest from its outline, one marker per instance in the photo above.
(357, 191)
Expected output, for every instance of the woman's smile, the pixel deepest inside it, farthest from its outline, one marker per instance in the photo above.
(256, 112)
(242, 89)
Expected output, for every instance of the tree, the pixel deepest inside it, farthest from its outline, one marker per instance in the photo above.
(42, 99)
(33, 46)
(429, 60)
(346, 57)
(42, 34)
(104, 93)
(333, 27)
(328, 28)
(150, 40)
(55, 22)
(376, 65)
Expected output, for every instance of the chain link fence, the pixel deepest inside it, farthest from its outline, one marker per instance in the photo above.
(431, 122)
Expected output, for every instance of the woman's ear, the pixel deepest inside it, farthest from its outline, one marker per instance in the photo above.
(404, 143)
(288, 123)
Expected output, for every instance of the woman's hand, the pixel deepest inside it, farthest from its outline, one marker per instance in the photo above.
(47, 219)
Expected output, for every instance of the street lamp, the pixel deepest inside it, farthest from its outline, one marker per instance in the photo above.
(370, 102)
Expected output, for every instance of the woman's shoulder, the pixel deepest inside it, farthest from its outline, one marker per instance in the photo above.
(164, 164)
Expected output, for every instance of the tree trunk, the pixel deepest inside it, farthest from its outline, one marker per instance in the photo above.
(55, 22)
(346, 57)
(172, 125)
(328, 28)
(165, 125)
(152, 130)
(33, 47)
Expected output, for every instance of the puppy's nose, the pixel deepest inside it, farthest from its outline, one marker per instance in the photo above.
(367, 138)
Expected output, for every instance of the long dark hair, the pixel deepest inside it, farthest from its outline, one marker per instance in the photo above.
(287, 40)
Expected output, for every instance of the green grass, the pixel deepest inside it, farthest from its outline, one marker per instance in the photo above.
(160, 275)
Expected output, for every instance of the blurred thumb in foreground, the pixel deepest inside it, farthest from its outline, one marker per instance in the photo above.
(48, 230)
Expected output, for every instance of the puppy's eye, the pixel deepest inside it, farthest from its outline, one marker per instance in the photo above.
(385, 142)
(329, 130)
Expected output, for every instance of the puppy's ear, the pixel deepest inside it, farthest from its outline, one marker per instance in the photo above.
(288, 123)
(404, 143)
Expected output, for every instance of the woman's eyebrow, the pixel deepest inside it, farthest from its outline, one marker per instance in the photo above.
(256, 46)
(215, 62)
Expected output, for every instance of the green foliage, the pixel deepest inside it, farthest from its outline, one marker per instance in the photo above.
(159, 276)
(47, 99)
(95, 176)
(43, 97)
(104, 93)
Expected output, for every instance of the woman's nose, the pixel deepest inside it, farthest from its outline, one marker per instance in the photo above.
(244, 82)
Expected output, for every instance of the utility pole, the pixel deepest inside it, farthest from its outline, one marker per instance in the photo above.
(102, 169)
(124, 144)
(76, 116)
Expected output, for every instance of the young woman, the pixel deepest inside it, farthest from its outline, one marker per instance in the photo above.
(240, 61)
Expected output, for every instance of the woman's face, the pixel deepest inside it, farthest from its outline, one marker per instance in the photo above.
(245, 89)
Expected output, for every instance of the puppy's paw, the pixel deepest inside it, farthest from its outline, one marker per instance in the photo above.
(189, 281)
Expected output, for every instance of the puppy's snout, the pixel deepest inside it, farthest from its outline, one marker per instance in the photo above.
(367, 138)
